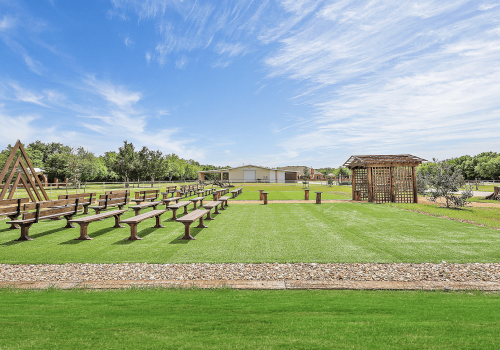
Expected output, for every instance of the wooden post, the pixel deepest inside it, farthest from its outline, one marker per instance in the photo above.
(370, 184)
(261, 195)
(265, 197)
(306, 194)
(318, 197)
(414, 180)
(392, 189)
(353, 171)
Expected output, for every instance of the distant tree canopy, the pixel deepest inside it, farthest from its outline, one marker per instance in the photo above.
(126, 164)
(484, 166)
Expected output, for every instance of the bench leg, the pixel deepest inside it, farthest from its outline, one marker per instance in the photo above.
(201, 203)
(222, 206)
(133, 233)
(69, 224)
(25, 232)
(137, 211)
(83, 232)
(194, 205)
(187, 231)
(155, 206)
(185, 209)
(201, 225)
(174, 215)
(158, 222)
(225, 203)
(209, 217)
(117, 221)
(216, 209)
(85, 209)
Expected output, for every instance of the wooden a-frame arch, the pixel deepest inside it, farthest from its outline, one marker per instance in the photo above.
(23, 176)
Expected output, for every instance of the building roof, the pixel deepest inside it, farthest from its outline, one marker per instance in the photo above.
(245, 166)
(370, 160)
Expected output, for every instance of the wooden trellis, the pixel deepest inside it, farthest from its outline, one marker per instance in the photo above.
(19, 169)
(384, 178)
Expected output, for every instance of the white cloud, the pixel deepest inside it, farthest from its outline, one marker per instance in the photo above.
(28, 96)
(128, 42)
(486, 7)
(117, 95)
(7, 22)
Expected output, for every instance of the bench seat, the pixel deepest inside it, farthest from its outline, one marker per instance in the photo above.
(137, 208)
(135, 220)
(195, 200)
(224, 200)
(167, 201)
(210, 206)
(175, 207)
(85, 221)
(188, 219)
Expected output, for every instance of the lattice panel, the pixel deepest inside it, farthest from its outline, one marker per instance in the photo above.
(403, 184)
(381, 179)
(361, 182)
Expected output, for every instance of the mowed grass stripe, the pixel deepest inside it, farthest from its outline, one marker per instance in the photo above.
(232, 319)
(333, 232)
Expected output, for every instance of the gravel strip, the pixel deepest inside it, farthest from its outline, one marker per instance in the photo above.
(443, 272)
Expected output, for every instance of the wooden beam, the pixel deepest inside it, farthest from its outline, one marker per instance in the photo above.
(37, 180)
(353, 172)
(9, 179)
(9, 161)
(16, 183)
(27, 187)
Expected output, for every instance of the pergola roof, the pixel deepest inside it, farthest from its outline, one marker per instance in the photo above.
(370, 160)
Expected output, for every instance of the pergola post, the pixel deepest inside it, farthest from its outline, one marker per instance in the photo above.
(393, 193)
(414, 179)
(370, 184)
(353, 173)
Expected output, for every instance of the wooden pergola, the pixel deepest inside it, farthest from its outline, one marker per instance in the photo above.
(384, 178)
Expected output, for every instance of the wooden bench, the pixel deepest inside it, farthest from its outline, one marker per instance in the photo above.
(106, 201)
(236, 192)
(224, 202)
(11, 208)
(210, 206)
(175, 207)
(170, 189)
(135, 220)
(143, 196)
(86, 199)
(188, 219)
(137, 208)
(167, 201)
(46, 210)
(85, 221)
(195, 200)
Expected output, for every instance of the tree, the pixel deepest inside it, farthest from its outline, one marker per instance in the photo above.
(438, 182)
(306, 176)
(126, 161)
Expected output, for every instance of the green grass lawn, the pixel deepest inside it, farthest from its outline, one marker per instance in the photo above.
(243, 319)
(292, 195)
(254, 233)
(489, 217)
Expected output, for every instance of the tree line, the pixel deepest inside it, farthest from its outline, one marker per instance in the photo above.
(127, 164)
(484, 166)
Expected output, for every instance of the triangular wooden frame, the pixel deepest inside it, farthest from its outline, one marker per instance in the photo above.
(23, 175)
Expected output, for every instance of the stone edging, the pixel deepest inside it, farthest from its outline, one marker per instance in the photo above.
(263, 285)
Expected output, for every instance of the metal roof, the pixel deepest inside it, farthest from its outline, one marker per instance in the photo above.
(366, 160)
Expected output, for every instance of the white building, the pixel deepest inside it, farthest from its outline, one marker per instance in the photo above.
(252, 173)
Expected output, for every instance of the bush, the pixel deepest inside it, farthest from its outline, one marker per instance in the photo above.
(438, 181)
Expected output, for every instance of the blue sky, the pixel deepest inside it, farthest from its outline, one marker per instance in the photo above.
(270, 83)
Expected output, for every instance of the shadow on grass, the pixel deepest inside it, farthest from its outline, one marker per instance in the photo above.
(194, 233)
(143, 233)
(34, 236)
